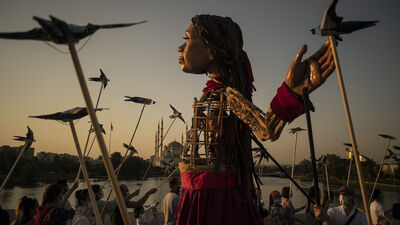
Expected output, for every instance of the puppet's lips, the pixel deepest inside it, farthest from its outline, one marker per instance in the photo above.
(180, 59)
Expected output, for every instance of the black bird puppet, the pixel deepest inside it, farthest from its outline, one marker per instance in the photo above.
(333, 25)
(102, 78)
(29, 136)
(139, 100)
(50, 31)
(176, 114)
(130, 148)
(387, 136)
(66, 116)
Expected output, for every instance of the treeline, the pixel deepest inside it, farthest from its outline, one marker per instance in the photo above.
(62, 166)
(338, 170)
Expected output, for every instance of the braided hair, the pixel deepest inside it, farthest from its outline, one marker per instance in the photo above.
(224, 38)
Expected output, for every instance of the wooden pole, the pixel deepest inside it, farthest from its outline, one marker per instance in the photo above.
(85, 174)
(349, 172)
(166, 178)
(107, 162)
(254, 138)
(351, 129)
(293, 162)
(109, 142)
(379, 171)
(21, 153)
(88, 137)
(327, 181)
(306, 102)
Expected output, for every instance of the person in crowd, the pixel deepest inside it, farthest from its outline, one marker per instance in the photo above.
(343, 214)
(376, 207)
(170, 202)
(310, 216)
(116, 218)
(4, 217)
(327, 199)
(289, 208)
(108, 207)
(142, 216)
(25, 211)
(64, 202)
(49, 212)
(83, 212)
(276, 214)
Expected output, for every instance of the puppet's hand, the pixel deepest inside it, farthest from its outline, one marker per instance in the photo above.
(312, 72)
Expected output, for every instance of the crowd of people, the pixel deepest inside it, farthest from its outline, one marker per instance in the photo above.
(281, 210)
(56, 208)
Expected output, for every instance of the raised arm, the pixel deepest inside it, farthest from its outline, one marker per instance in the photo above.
(140, 202)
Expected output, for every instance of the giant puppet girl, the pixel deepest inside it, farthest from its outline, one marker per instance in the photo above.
(216, 163)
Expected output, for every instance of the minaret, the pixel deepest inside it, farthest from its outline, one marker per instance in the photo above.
(162, 137)
(155, 150)
(158, 144)
(182, 139)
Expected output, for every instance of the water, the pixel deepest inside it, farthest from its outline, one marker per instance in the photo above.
(9, 197)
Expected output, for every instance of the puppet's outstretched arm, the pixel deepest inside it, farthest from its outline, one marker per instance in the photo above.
(264, 125)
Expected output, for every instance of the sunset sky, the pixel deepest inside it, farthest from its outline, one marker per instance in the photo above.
(142, 61)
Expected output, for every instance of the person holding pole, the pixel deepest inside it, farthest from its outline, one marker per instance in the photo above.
(345, 214)
(116, 218)
(289, 208)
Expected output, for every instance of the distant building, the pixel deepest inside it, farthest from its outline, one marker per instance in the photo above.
(49, 156)
(361, 157)
(29, 153)
(172, 153)
(165, 154)
(390, 166)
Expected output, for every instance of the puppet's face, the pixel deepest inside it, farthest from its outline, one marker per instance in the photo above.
(194, 54)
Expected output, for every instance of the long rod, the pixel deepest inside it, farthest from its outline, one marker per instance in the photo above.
(167, 131)
(166, 178)
(293, 162)
(351, 129)
(88, 136)
(21, 153)
(349, 172)
(379, 171)
(137, 124)
(130, 142)
(280, 167)
(85, 155)
(327, 181)
(85, 174)
(311, 142)
(109, 143)
(116, 171)
(107, 162)
(144, 176)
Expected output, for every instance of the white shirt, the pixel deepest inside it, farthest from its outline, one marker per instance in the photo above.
(170, 205)
(376, 209)
(145, 218)
(339, 216)
(80, 220)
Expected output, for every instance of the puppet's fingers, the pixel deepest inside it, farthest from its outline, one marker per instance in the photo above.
(318, 54)
(329, 70)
